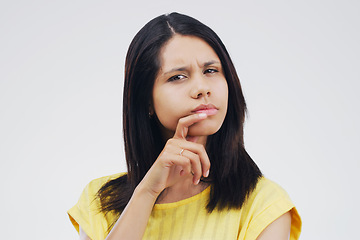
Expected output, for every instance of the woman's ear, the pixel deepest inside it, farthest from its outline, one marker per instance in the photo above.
(151, 110)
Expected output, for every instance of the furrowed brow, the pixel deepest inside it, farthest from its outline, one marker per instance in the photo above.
(177, 69)
(211, 63)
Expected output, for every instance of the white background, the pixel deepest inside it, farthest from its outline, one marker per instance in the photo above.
(61, 77)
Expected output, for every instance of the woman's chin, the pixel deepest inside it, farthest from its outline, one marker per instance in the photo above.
(205, 130)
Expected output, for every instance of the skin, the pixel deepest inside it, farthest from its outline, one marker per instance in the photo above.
(190, 75)
(278, 229)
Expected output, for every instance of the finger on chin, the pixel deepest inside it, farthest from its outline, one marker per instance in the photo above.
(184, 124)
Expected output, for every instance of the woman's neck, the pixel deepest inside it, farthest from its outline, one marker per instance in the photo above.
(181, 190)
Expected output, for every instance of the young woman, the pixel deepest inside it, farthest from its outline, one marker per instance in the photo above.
(189, 176)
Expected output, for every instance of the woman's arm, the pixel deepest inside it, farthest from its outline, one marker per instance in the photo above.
(133, 220)
(278, 229)
(169, 168)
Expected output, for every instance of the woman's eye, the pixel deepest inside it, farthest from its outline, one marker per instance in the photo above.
(176, 78)
(211, 71)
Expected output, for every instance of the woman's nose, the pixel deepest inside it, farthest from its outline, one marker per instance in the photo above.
(200, 88)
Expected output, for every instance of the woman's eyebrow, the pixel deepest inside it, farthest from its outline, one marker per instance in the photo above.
(176, 69)
(211, 63)
(184, 68)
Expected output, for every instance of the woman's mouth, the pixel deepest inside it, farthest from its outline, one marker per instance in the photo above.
(208, 109)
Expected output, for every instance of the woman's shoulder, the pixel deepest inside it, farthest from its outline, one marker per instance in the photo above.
(94, 185)
(267, 193)
(88, 197)
(267, 202)
(268, 187)
(85, 212)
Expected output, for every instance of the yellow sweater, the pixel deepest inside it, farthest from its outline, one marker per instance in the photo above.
(188, 218)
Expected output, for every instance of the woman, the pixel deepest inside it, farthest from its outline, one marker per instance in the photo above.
(189, 176)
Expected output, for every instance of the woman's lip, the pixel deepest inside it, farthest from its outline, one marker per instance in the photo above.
(208, 111)
(204, 107)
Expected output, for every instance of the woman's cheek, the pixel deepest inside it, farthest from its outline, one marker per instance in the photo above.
(167, 121)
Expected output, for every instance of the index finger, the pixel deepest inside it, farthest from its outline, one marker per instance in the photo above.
(184, 123)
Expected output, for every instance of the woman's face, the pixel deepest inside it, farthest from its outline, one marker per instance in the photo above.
(190, 81)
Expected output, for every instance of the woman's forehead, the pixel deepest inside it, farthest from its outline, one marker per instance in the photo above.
(180, 51)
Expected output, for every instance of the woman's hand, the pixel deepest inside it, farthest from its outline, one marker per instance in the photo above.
(179, 158)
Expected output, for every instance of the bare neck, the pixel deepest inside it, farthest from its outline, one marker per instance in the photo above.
(181, 190)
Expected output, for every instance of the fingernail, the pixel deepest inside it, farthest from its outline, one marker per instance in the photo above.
(197, 181)
(207, 173)
(202, 115)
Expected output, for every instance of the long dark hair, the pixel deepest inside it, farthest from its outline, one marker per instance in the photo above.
(233, 173)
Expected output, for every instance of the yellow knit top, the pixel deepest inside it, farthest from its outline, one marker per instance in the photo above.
(188, 218)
